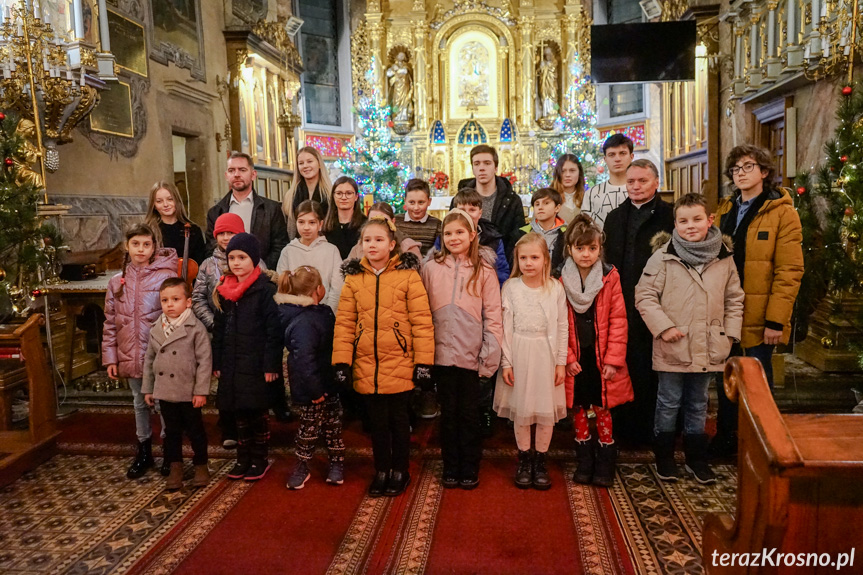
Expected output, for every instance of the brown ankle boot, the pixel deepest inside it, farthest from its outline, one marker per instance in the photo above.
(202, 476)
(175, 477)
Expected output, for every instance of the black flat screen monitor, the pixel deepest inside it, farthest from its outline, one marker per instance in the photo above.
(649, 52)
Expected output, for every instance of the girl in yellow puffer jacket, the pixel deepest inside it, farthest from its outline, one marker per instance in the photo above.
(384, 344)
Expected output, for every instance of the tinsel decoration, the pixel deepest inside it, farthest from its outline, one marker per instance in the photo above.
(373, 158)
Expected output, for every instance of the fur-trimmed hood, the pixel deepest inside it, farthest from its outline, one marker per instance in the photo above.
(301, 300)
(405, 261)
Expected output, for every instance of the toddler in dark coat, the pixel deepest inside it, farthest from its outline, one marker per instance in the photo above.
(247, 353)
(308, 330)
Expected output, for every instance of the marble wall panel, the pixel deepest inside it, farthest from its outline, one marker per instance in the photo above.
(98, 222)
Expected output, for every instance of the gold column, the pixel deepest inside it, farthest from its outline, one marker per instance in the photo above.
(528, 71)
(418, 29)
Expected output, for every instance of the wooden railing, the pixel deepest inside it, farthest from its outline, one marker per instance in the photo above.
(799, 485)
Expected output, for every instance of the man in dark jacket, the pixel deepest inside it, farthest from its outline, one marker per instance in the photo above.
(629, 229)
(501, 205)
(262, 217)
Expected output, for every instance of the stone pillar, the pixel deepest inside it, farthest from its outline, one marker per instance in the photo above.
(754, 60)
(793, 50)
(773, 63)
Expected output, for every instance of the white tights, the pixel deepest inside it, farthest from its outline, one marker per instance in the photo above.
(543, 437)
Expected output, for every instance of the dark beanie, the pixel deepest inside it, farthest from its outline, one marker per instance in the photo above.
(246, 243)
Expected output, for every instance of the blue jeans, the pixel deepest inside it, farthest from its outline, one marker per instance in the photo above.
(143, 427)
(688, 390)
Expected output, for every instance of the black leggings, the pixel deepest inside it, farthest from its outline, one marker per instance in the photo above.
(180, 417)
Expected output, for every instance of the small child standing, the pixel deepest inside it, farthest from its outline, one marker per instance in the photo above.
(469, 200)
(213, 268)
(384, 344)
(417, 224)
(177, 372)
(530, 388)
(308, 334)
(247, 353)
(545, 221)
(465, 303)
(690, 298)
(310, 248)
(597, 376)
(209, 275)
(131, 307)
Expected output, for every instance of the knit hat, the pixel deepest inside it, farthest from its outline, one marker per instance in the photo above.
(246, 243)
(229, 223)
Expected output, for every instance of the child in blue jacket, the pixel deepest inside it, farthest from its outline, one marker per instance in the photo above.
(308, 330)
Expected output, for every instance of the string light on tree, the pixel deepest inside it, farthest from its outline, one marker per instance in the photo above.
(373, 158)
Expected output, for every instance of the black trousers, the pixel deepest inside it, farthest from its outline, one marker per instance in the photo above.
(633, 421)
(180, 417)
(253, 435)
(458, 392)
(389, 416)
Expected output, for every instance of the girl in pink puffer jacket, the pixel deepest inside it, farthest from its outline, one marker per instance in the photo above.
(131, 306)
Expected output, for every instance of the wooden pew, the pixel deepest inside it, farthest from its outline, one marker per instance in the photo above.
(799, 485)
(23, 450)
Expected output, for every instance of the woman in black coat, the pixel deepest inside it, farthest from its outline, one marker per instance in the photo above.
(247, 355)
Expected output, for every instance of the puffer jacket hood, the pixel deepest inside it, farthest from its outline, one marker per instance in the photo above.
(308, 336)
(467, 319)
(611, 339)
(770, 262)
(383, 325)
(706, 306)
(128, 318)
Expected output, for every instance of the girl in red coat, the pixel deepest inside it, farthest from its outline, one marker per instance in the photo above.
(597, 378)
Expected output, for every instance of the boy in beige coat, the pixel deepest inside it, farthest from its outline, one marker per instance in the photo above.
(690, 298)
(177, 371)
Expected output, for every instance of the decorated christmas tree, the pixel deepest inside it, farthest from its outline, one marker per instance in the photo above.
(577, 128)
(21, 249)
(829, 203)
(373, 158)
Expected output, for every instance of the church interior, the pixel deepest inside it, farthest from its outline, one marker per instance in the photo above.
(102, 98)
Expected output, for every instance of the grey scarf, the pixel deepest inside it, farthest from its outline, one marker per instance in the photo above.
(698, 253)
(581, 294)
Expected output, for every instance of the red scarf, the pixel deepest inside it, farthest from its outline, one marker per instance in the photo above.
(232, 289)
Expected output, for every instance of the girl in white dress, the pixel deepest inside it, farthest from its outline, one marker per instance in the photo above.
(530, 388)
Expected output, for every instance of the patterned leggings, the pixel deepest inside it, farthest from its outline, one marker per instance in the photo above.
(603, 425)
(318, 419)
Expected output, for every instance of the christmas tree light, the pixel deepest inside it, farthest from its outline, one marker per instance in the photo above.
(373, 157)
(578, 132)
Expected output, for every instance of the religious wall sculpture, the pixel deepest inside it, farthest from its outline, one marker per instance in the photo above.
(547, 88)
(401, 93)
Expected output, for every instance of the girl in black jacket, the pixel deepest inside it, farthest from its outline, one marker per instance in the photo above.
(308, 330)
(247, 352)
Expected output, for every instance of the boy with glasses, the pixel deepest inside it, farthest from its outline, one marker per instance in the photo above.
(767, 235)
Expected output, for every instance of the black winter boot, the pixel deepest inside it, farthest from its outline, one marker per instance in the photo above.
(143, 460)
(244, 461)
(663, 449)
(606, 463)
(524, 473)
(541, 480)
(695, 448)
(584, 458)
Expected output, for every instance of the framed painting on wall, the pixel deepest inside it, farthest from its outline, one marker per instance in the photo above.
(177, 34)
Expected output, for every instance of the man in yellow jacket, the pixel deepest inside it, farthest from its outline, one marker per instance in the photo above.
(767, 235)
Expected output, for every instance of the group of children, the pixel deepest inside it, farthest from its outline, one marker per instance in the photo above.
(442, 310)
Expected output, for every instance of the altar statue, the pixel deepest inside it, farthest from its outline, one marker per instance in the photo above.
(548, 84)
(401, 90)
(31, 156)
